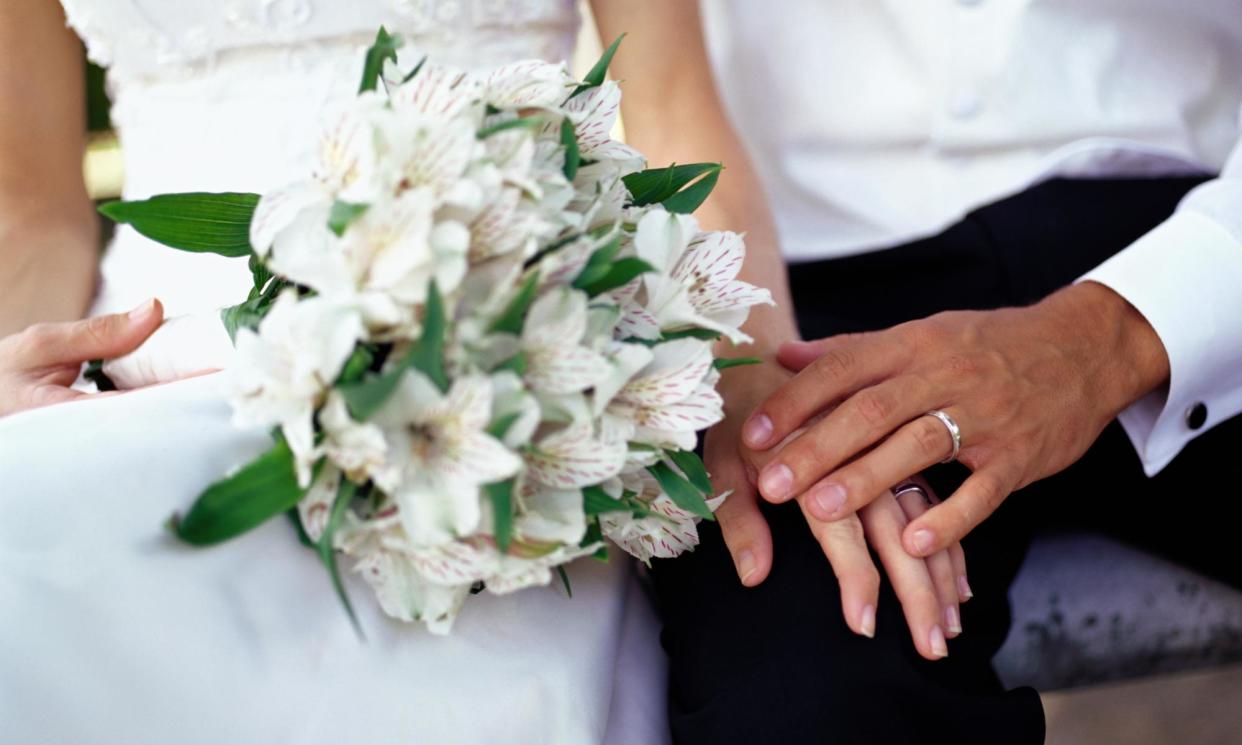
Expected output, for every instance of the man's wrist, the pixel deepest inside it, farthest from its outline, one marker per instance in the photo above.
(1133, 359)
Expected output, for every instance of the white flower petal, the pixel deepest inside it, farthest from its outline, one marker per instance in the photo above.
(676, 369)
(277, 209)
(573, 458)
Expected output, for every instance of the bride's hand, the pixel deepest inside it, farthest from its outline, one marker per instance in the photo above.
(927, 588)
(38, 365)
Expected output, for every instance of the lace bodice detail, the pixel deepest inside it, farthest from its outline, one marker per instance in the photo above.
(150, 38)
(228, 95)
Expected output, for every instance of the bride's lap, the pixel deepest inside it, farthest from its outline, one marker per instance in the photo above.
(107, 619)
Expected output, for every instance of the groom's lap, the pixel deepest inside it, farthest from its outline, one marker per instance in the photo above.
(776, 663)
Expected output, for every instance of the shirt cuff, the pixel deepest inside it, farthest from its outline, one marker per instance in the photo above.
(1185, 277)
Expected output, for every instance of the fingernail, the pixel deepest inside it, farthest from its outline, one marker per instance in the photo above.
(827, 500)
(866, 624)
(757, 430)
(963, 588)
(939, 647)
(143, 311)
(952, 621)
(746, 566)
(776, 481)
(922, 540)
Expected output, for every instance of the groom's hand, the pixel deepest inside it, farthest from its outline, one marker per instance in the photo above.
(1030, 389)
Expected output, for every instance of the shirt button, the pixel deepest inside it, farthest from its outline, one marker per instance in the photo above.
(965, 104)
(1196, 416)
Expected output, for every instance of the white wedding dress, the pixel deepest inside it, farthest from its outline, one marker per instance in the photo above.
(112, 632)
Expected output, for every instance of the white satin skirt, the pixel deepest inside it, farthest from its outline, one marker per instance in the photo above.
(113, 632)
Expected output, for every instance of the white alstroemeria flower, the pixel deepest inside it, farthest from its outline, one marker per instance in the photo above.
(440, 454)
(550, 516)
(406, 595)
(670, 532)
(282, 373)
(355, 162)
(573, 457)
(672, 398)
(557, 361)
(383, 263)
(516, 573)
(529, 84)
(695, 279)
(440, 92)
(357, 448)
(512, 401)
(594, 114)
(434, 154)
(315, 507)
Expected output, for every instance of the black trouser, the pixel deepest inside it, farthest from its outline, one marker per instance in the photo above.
(777, 664)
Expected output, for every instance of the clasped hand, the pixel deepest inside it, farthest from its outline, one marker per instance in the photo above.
(1030, 388)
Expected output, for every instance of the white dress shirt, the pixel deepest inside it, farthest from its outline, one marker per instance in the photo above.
(877, 122)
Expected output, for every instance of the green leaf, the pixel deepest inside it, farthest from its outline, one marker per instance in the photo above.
(342, 214)
(365, 397)
(692, 466)
(573, 156)
(198, 222)
(265, 487)
(246, 315)
(681, 491)
(619, 273)
(427, 354)
(692, 197)
(94, 373)
(296, 519)
(598, 264)
(527, 122)
(357, 364)
(500, 495)
(259, 274)
(560, 572)
(596, 75)
(501, 426)
(510, 321)
(724, 363)
(383, 48)
(344, 496)
(595, 501)
(656, 185)
(417, 68)
(691, 333)
(516, 364)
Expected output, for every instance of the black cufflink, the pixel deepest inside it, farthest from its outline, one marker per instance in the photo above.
(1196, 415)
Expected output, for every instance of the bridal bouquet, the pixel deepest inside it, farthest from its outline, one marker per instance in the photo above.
(480, 329)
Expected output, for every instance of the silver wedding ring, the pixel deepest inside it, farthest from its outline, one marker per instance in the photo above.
(954, 432)
(908, 487)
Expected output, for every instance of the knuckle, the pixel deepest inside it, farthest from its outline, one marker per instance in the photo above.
(100, 328)
(834, 365)
(930, 438)
(873, 407)
(864, 579)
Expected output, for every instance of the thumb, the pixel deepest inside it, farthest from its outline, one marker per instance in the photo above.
(99, 337)
(795, 355)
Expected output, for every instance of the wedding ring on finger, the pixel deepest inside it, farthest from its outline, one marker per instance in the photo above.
(955, 432)
(910, 487)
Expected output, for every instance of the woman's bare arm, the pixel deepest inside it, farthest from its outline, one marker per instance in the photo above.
(48, 230)
(672, 113)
